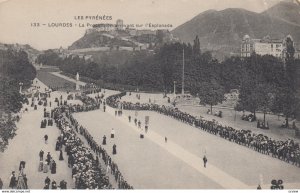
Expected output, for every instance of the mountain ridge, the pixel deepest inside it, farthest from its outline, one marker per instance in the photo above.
(222, 31)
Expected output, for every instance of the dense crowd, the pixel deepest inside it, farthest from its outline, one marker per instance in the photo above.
(288, 150)
(86, 169)
(101, 152)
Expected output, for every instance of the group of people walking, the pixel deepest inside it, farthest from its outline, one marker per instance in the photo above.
(20, 181)
(47, 164)
(62, 184)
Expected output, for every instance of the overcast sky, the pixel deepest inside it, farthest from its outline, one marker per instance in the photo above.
(16, 16)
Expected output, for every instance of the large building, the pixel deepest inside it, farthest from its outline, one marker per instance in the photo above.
(264, 46)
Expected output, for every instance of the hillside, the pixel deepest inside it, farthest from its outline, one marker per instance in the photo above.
(222, 31)
(285, 11)
(112, 58)
(97, 39)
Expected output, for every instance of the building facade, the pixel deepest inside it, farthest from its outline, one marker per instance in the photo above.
(264, 46)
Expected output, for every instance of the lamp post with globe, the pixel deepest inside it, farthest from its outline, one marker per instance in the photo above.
(20, 84)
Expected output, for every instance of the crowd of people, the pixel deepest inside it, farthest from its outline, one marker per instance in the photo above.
(86, 170)
(288, 150)
(101, 152)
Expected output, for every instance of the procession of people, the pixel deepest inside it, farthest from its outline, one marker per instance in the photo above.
(288, 150)
(86, 169)
(88, 173)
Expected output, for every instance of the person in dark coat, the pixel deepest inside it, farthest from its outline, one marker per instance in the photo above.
(48, 158)
(114, 149)
(61, 155)
(63, 185)
(41, 154)
(47, 180)
(53, 168)
(104, 140)
(13, 180)
(46, 139)
(204, 161)
(46, 187)
(57, 146)
(53, 185)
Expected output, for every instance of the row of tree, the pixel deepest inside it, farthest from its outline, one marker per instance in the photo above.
(265, 83)
(15, 68)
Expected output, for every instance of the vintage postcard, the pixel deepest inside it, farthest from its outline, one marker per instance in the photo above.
(149, 94)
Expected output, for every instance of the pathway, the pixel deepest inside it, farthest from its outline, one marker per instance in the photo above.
(212, 172)
(26, 146)
(68, 78)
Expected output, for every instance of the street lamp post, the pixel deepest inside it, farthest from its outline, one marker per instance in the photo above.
(174, 88)
(234, 115)
(20, 84)
(182, 89)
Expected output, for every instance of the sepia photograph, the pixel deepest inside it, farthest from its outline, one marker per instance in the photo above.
(149, 95)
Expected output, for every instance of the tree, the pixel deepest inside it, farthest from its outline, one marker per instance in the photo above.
(14, 68)
(265, 95)
(230, 73)
(210, 93)
(49, 57)
(287, 101)
(290, 50)
(7, 131)
(196, 46)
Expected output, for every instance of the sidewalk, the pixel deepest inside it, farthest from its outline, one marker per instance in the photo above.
(213, 173)
(26, 145)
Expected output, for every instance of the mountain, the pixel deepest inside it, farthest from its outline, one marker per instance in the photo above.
(222, 31)
(285, 11)
(97, 39)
